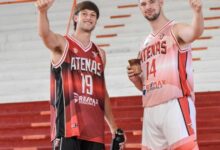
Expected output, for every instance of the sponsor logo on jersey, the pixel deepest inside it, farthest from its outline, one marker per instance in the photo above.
(85, 100)
(155, 85)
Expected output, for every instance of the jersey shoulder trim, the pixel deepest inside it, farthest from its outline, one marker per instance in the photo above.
(56, 65)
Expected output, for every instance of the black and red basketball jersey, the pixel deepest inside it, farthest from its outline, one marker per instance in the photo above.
(78, 92)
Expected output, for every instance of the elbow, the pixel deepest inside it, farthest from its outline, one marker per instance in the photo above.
(200, 30)
(198, 33)
(40, 34)
(43, 35)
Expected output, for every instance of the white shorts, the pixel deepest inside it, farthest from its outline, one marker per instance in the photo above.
(168, 123)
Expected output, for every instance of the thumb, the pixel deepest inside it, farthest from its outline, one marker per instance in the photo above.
(50, 2)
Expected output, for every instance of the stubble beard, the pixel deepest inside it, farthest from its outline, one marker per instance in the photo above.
(154, 17)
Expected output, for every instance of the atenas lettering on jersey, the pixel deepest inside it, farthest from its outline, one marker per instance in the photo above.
(85, 64)
(159, 47)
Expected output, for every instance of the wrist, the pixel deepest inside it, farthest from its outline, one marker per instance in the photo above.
(113, 130)
(134, 78)
(42, 11)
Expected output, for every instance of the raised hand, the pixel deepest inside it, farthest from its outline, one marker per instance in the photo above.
(43, 5)
(196, 5)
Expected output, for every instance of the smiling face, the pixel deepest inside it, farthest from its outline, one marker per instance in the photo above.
(86, 20)
(151, 9)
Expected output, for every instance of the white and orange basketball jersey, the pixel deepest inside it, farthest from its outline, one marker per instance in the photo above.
(166, 68)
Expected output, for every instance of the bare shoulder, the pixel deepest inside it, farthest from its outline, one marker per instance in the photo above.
(103, 55)
(55, 42)
(62, 40)
(181, 31)
(178, 27)
(102, 51)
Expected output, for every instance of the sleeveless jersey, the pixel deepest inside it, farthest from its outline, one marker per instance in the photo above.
(166, 68)
(77, 93)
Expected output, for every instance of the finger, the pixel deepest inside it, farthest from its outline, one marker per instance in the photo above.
(36, 4)
(122, 145)
(196, 4)
(57, 142)
(130, 71)
(40, 3)
(43, 3)
(50, 2)
(125, 138)
(130, 74)
(128, 67)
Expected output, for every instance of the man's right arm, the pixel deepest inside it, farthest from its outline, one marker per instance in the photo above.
(55, 42)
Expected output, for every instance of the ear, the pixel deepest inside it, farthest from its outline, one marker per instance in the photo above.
(161, 2)
(75, 18)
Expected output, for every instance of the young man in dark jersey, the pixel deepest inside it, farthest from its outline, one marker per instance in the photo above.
(79, 99)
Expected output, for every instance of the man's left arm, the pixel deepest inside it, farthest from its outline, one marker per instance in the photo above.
(188, 33)
(111, 122)
(109, 115)
(108, 109)
(109, 118)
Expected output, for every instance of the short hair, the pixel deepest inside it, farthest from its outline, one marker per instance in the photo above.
(85, 5)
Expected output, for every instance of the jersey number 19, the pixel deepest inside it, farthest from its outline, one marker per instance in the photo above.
(87, 84)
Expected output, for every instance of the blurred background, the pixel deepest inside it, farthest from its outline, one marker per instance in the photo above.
(25, 65)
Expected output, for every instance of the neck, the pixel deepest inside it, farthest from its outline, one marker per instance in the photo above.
(83, 37)
(157, 24)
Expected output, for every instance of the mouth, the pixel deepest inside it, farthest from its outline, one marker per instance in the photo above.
(88, 22)
(149, 12)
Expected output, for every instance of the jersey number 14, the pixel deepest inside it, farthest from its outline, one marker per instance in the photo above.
(151, 68)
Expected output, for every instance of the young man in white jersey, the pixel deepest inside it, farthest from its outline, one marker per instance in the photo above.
(166, 79)
(79, 99)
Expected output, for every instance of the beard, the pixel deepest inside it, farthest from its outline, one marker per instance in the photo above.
(154, 17)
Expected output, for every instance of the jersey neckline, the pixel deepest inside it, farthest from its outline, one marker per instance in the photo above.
(161, 29)
(84, 48)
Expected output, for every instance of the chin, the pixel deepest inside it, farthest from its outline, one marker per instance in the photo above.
(88, 30)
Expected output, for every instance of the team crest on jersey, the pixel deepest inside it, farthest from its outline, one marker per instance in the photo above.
(75, 50)
(95, 54)
(161, 36)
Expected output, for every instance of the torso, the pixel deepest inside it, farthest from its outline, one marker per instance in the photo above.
(83, 88)
(167, 69)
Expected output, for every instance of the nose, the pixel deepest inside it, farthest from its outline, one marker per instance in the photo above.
(89, 16)
(147, 6)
